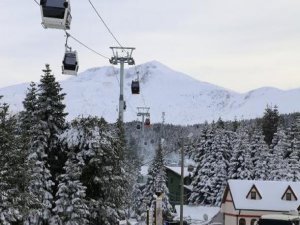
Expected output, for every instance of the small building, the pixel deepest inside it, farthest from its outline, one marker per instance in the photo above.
(244, 201)
(173, 182)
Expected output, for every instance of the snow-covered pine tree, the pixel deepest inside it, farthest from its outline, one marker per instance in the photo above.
(278, 164)
(83, 137)
(137, 200)
(241, 165)
(71, 207)
(11, 169)
(28, 115)
(201, 190)
(128, 163)
(156, 183)
(270, 123)
(27, 120)
(50, 112)
(211, 173)
(40, 183)
(294, 156)
(45, 110)
(102, 174)
(260, 155)
(219, 158)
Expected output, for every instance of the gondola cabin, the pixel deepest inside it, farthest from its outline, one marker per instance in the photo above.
(56, 14)
(138, 126)
(147, 122)
(135, 87)
(70, 63)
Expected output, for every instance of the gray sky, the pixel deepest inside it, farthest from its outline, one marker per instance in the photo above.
(237, 44)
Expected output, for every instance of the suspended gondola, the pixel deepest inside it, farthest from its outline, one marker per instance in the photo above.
(70, 61)
(147, 122)
(56, 14)
(135, 87)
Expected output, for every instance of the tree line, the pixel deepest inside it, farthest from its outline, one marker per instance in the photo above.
(54, 172)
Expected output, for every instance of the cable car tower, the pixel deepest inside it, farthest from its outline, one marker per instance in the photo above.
(144, 113)
(122, 55)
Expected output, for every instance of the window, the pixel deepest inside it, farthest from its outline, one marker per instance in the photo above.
(253, 195)
(288, 196)
(242, 221)
(252, 221)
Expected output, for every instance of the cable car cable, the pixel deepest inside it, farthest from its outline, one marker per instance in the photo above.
(36, 2)
(114, 37)
(88, 47)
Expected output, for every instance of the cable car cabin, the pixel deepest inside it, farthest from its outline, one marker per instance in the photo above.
(135, 87)
(147, 122)
(70, 63)
(56, 14)
(138, 126)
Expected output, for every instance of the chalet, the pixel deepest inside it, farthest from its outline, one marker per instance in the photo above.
(244, 201)
(173, 182)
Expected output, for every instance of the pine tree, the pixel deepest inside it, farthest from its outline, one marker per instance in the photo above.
(28, 115)
(102, 174)
(156, 183)
(260, 156)
(241, 165)
(71, 207)
(40, 183)
(45, 111)
(51, 115)
(10, 169)
(294, 156)
(270, 123)
(278, 164)
(201, 189)
(210, 177)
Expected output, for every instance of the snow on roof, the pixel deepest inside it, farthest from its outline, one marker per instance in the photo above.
(177, 169)
(270, 191)
(195, 214)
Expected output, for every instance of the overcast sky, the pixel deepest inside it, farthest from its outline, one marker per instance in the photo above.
(238, 44)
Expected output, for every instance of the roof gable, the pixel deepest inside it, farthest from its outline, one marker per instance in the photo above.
(287, 191)
(255, 190)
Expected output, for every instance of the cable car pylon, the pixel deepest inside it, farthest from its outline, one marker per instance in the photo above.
(122, 55)
(144, 113)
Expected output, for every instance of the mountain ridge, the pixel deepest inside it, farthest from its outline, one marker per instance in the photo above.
(184, 99)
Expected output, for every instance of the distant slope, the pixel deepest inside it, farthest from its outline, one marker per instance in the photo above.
(184, 99)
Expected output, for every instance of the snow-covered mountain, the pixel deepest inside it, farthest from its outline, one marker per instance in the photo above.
(183, 99)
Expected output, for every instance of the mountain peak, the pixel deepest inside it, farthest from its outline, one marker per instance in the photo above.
(184, 100)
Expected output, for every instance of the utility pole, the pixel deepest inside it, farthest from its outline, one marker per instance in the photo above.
(143, 112)
(182, 176)
(182, 183)
(122, 55)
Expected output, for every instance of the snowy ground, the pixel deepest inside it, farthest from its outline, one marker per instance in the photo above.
(196, 215)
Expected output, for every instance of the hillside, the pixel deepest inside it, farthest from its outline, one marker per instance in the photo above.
(184, 99)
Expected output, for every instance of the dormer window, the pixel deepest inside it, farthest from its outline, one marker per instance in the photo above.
(289, 195)
(253, 194)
